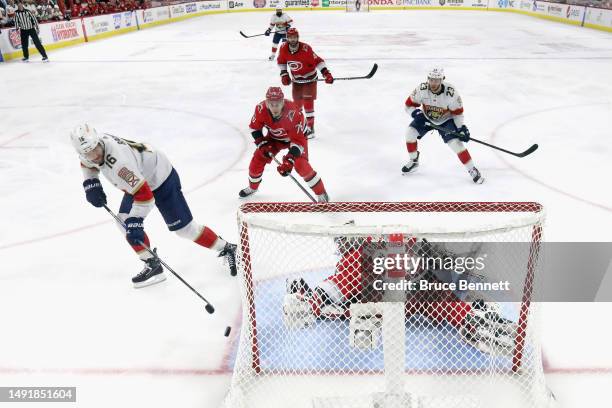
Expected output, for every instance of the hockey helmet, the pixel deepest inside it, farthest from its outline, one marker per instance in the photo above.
(436, 73)
(293, 32)
(275, 94)
(84, 139)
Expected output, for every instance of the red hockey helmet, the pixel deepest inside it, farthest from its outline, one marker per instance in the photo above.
(293, 32)
(275, 94)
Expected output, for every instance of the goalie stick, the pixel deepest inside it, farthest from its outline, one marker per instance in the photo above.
(255, 35)
(297, 182)
(209, 307)
(527, 152)
(368, 76)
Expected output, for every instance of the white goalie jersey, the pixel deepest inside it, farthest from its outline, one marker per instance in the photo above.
(437, 107)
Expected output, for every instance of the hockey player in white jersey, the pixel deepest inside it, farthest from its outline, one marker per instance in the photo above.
(147, 178)
(279, 22)
(438, 102)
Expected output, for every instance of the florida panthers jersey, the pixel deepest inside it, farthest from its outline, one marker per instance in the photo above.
(303, 64)
(438, 107)
(128, 165)
(289, 128)
(280, 24)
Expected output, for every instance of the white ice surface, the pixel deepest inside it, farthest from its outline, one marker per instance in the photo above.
(67, 310)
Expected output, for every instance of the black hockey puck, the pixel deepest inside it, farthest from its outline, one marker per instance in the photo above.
(228, 329)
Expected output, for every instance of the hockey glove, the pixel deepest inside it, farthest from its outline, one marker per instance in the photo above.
(264, 147)
(268, 31)
(94, 192)
(286, 166)
(329, 79)
(134, 230)
(463, 134)
(417, 114)
(285, 78)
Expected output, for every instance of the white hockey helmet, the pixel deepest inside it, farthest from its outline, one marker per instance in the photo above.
(84, 139)
(436, 73)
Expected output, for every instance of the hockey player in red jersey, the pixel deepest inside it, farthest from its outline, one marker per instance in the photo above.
(478, 323)
(284, 122)
(301, 60)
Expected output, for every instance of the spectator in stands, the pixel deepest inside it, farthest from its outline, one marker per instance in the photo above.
(3, 19)
(28, 27)
(75, 10)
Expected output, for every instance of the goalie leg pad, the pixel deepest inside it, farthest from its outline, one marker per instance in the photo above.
(485, 329)
(365, 328)
(297, 312)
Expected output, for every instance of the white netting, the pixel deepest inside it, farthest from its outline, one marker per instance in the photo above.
(317, 332)
(357, 5)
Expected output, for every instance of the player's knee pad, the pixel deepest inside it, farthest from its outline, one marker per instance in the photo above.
(365, 327)
(456, 145)
(190, 231)
(303, 167)
(411, 135)
(485, 329)
(309, 105)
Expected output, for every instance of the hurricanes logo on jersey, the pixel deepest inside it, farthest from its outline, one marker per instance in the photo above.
(277, 133)
(128, 176)
(294, 65)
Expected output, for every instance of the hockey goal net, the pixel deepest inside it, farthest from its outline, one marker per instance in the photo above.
(317, 332)
(357, 6)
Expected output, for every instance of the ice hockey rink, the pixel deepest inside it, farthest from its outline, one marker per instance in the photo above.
(69, 315)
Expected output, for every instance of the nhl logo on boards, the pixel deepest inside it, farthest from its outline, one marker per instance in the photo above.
(259, 3)
(442, 2)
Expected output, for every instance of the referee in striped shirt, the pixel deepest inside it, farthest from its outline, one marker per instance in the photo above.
(28, 27)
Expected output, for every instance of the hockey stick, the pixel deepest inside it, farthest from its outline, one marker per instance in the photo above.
(209, 307)
(527, 152)
(256, 35)
(297, 182)
(368, 76)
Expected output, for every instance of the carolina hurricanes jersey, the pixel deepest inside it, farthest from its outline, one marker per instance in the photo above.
(280, 24)
(289, 128)
(440, 107)
(303, 64)
(128, 165)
